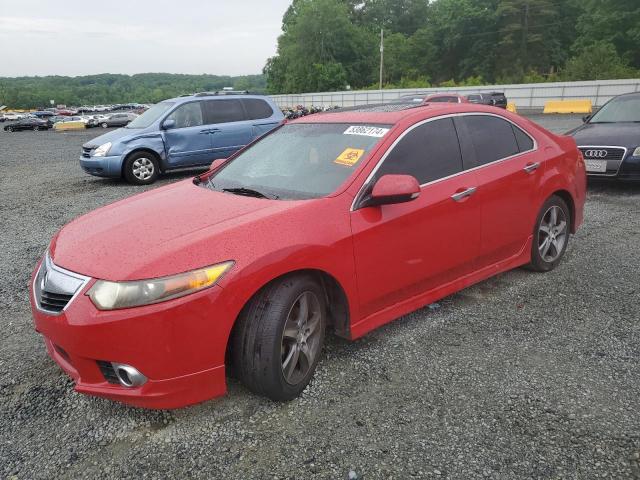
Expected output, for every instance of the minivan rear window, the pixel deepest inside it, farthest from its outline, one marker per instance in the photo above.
(256, 108)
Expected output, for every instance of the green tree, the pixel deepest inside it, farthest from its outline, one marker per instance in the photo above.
(598, 61)
(613, 21)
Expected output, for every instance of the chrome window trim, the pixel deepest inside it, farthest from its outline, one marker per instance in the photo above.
(422, 122)
(46, 261)
(598, 174)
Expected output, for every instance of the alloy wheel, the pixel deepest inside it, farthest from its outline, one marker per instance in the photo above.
(142, 168)
(552, 233)
(301, 337)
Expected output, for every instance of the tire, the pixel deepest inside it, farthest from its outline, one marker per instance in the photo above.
(141, 168)
(550, 235)
(269, 359)
(104, 125)
(35, 129)
(10, 129)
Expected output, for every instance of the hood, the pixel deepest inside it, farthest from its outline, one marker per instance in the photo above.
(610, 134)
(162, 232)
(119, 134)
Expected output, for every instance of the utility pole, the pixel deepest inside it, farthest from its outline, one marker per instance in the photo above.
(525, 33)
(381, 54)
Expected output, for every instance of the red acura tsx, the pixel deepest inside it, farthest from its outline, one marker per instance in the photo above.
(342, 221)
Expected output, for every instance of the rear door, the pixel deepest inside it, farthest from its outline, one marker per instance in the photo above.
(188, 143)
(229, 128)
(406, 249)
(509, 175)
(261, 115)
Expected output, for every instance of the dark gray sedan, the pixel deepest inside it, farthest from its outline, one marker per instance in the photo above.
(118, 120)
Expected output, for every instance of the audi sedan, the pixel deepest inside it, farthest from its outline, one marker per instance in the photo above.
(610, 139)
(340, 222)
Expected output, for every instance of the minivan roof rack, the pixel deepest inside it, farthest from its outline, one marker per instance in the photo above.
(222, 92)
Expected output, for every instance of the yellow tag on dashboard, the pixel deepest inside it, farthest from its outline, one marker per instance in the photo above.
(349, 157)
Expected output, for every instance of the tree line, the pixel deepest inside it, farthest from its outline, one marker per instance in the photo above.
(334, 44)
(36, 92)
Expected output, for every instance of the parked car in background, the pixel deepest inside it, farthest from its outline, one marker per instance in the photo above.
(445, 98)
(118, 120)
(43, 114)
(28, 124)
(11, 117)
(187, 131)
(496, 99)
(610, 139)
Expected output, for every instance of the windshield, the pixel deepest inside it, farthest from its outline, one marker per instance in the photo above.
(151, 115)
(299, 161)
(621, 109)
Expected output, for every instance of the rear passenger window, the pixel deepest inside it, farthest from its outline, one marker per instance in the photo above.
(256, 109)
(492, 137)
(224, 111)
(524, 141)
(428, 152)
(187, 115)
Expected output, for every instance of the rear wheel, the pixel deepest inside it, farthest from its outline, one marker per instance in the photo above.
(36, 128)
(277, 341)
(104, 125)
(141, 168)
(551, 235)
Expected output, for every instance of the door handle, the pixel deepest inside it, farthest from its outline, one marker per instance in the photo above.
(458, 197)
(531, 167)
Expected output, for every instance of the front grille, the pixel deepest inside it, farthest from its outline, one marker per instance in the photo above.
(54, 287)
(86, 152)
(108, 372)
(54, 302)
(603, 153)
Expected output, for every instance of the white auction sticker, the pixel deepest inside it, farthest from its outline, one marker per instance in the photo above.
(366, 131)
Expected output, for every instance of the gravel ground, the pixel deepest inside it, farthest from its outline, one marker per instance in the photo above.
(522, 376)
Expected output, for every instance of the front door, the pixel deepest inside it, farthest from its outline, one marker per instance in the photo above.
(406, 249)
(188, 143)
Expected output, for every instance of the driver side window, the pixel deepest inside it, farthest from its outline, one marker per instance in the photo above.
(187, 115)
(428, 152)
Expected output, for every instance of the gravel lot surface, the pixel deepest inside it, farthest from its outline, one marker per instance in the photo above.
(522, 376)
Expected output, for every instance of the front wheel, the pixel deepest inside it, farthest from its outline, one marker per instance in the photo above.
(278, 339)
(551, 235)
(141, 169)
(104, 124)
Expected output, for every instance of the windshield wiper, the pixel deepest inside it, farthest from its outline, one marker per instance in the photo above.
(249, 192)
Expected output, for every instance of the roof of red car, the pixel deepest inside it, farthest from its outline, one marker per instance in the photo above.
(386, 114)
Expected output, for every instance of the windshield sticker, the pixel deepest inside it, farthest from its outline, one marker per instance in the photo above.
(349, 157)
(366, 131)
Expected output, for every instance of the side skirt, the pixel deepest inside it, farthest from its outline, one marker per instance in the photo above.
(393, 312)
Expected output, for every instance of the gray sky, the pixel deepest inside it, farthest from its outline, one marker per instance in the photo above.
(71, 37)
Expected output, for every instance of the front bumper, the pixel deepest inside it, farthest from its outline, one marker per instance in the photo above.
(178, 345)
(102, 166)
(626, 169)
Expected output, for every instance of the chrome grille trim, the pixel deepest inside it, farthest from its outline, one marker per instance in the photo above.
(613, 158)
(54, 288)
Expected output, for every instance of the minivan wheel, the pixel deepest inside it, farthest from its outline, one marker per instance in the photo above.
(104, 125)
(551, 235)
(278, 338)
(141, 168)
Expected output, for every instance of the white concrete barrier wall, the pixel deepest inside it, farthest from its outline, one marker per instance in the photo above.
(525, 96)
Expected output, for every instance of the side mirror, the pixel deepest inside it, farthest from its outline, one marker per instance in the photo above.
(586, 118)
(217, 163)
(390, 189)
(169, 124)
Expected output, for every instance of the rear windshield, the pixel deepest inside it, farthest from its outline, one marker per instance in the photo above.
(300, 161)
(150, 116)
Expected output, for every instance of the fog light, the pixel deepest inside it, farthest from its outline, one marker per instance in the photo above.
(128, 376)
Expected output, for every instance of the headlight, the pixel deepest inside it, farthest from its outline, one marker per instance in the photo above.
(636, 152)
(113, 295)
(102, 150)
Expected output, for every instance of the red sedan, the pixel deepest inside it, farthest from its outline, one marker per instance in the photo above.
(342, 221)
